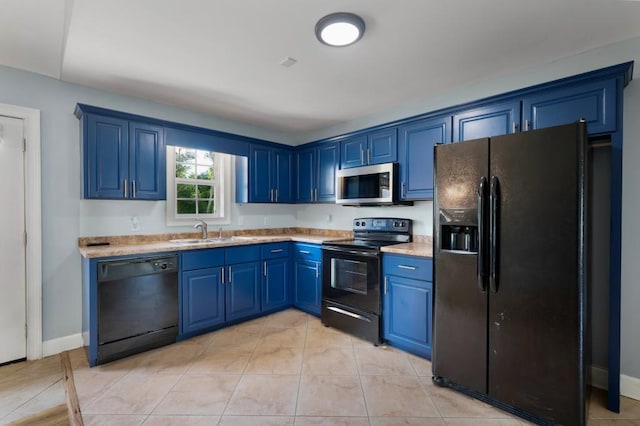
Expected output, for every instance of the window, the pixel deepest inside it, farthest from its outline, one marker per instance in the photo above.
(197, 186)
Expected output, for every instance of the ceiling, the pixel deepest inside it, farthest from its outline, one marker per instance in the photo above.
(222, 57)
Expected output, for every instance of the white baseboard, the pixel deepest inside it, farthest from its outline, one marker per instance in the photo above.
(599, 377)
(61, 344)
(630, 386)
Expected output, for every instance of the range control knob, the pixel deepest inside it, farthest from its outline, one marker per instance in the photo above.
(357, 223)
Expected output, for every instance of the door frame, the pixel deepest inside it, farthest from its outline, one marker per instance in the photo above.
(33, 223)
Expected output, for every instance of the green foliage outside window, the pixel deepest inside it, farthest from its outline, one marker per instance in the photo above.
(195, 181)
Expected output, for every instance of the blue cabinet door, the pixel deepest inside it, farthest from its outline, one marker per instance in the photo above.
(493, 120)
(306, 171)
(147, 162)
(353, 152)
(328, 161)
(595, 102)
(203, 302)
(307, 291)
(276, 284)
(259, 174)
(281, 176)
(407, 305)
(415, 155)
(242, 290)
(382, 146)
(106, 157)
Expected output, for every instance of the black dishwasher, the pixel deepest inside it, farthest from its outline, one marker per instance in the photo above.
(137, 305)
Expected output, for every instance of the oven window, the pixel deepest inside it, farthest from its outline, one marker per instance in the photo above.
(349, 275)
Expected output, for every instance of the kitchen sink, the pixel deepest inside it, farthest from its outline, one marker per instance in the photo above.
(189, 241)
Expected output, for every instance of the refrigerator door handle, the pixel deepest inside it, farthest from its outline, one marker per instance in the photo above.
(494, 204)
(482, 283)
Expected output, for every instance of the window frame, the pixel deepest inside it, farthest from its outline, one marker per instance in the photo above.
(222, 192)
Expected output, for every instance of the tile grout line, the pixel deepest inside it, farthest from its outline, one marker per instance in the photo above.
(304, 351)
(226, 406)
(364, 398)
(31, 399)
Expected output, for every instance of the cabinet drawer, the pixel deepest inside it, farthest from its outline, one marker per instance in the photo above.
(242, 254)
(275, 250)
(198, 259)
(308, 251)
(417, 268)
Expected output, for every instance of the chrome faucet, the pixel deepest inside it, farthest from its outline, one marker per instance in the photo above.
(220, 233)
(203, 227)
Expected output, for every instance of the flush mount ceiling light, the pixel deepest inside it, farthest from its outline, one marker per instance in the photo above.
(340, 29)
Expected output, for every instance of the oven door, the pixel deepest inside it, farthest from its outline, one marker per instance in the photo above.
(351, 277)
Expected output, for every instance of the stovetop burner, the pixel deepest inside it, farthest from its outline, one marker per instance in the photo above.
(373, 233)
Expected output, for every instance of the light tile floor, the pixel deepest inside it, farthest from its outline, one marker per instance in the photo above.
(283, 369)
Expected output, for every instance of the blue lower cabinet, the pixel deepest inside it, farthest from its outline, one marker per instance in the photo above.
(307, 291)
(203, 301)
(243, 290)
(408, 303)
(276, 284)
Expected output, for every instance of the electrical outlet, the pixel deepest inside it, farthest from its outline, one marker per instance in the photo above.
(329, 218)
(266, 220)
(135, 224)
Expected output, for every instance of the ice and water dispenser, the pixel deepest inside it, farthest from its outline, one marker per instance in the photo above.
(459, 230)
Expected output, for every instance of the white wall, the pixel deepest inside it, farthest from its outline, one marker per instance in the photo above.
(66, 216)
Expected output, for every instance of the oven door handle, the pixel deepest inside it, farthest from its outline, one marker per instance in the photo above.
(348, 251)
(351, 314)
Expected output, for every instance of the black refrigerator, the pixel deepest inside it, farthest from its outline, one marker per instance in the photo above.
(509, 274)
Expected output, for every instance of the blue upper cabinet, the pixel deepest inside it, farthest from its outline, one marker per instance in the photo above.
(594, 101)
(260, 173)
(415, 155)
(382, 146)
(269, 175)
(353, 152)
(306, 170)
(147, 162)
(374, 148)
(106, 157)
(282, 172)
(123, 159)
(316, 169)
(492, 120)
(328, 160)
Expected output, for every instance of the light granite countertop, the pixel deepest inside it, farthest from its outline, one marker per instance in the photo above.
(146, 244)
(131, 245)
(422, 249)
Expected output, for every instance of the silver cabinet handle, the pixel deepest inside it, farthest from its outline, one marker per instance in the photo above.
(385, 285)
(133, 188)
(271, 195)
(125, 188)
(317, 272)
(304, 251)
(277, 251)
(276, 195)
(265, 268)
(368, 156)
(403, 190)
(526, 125)
(230, 276)
(361, 156)
(412, 268)
(222, 271)
(513, 127)
(316, 192)
(311, 190)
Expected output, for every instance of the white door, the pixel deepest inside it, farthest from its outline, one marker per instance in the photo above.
(13, 339)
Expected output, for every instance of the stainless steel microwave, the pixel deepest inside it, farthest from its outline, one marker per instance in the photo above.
(368, 186)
